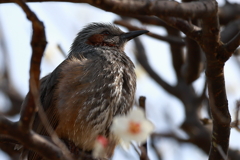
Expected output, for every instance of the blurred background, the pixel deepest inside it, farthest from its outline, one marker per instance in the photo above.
(62, 22)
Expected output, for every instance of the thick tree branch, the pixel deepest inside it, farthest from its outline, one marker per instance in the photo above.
(161, 8)
(216, 86)
(142, 7)
(30, 140)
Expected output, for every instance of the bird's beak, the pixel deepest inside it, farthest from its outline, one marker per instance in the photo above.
(130, 35)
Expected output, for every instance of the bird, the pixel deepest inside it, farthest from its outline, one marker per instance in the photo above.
(95, 83)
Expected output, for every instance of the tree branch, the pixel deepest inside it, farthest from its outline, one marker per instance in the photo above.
(142, 59)
(30, 140)
(229, 12)
(176, 52)
(38, 44)
(141, 7)
(151, 20)
(162, 9)
(193, 65)
(232, 45)
(177, 15)
(211, 44)
(230, 30)
(187, 28)
(6, 85)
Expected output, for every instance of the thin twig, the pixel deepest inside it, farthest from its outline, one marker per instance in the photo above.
(224, 156)
(159, 156)
(48, 127)
(135, 148)
(232, 45)
(143, 60)
(38, 46)
(169, 39)
(32, 101)
(61, 51)
(235, 124)
(142, 102)
(193, 65)
(144, 154)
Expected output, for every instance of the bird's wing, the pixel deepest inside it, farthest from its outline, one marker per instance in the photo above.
(70, 76)
(47, 89)
(48, 86)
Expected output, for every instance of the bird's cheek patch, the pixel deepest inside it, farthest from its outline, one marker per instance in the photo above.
(96, 39)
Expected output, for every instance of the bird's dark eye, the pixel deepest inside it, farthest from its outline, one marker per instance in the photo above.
(106, 32)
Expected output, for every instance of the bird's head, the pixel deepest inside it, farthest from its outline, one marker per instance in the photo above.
(102, 34)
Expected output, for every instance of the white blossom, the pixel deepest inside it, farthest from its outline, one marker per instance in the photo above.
(133, 126)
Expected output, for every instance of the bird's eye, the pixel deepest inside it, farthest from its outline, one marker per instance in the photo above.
(106, 32)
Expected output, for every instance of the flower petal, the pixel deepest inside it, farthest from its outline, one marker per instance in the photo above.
(134, 126)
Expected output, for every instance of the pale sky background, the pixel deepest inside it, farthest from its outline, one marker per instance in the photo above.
(62, 22)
